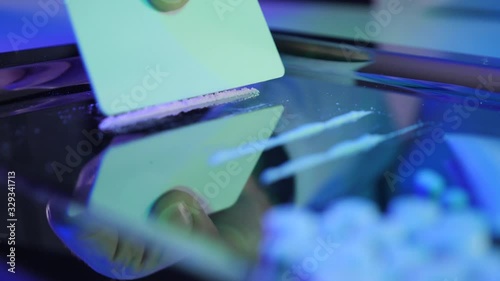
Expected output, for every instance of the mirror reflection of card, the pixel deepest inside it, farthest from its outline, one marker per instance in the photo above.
(137, 56)
(133, 175)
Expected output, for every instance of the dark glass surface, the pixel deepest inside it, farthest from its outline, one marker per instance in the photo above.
(85, 205)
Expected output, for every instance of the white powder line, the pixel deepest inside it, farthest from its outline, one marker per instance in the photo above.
(301, 132)
(338, 151)
(148, 116)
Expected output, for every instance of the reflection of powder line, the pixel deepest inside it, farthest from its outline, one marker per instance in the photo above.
(301, 132)
(343, 149)
(147, 116)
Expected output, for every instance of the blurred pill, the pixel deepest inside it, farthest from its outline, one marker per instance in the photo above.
(387, 239)
(414, 213)
(350, 218)
(487, 268)
(290, 234)
(355, 254)
(406, 260)
(416, 241)
(287, 250)
(351, 261)
(455, 198)
(345, 274)
(428, 182)
(289, 220)
(459, 234)
(440, 270)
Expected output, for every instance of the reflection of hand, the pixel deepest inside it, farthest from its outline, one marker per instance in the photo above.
(182, 209)
(238, 227)
(168, 5)
(108, 251)
(117, 254)
(125, 256)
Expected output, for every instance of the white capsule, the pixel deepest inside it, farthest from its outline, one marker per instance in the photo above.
(404, 261)
(350, 262)
(290, 220)
(387, 239)
(290, 233)
(414, 213)
(350, 218)
(287, 250)
(345, 268)
(461, 234)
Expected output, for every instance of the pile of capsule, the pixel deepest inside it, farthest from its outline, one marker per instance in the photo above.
(416, 240)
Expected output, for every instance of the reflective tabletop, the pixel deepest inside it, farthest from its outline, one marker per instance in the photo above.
(373, 162)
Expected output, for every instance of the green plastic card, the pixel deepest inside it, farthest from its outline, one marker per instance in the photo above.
(137, 56)
(132, 176)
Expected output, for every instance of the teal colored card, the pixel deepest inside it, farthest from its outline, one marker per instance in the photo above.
(137, 56)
